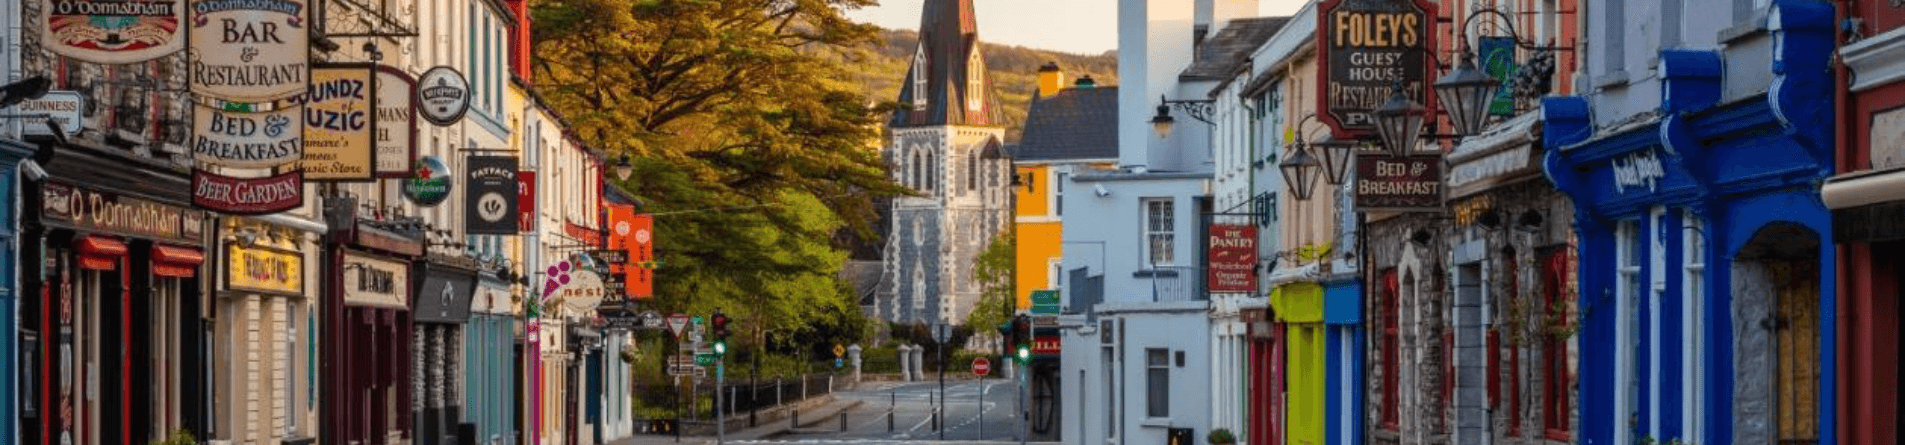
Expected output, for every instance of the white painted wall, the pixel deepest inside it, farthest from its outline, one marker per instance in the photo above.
(1105, 232)
(1154, 45)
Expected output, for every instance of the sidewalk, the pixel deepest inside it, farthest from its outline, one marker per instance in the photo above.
(771, 423)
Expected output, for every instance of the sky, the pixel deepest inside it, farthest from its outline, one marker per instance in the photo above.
(1076, 26)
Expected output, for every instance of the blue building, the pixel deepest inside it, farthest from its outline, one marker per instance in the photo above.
(11, 153)
(1705, 284)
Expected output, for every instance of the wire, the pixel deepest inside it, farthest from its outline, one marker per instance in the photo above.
(752, 206)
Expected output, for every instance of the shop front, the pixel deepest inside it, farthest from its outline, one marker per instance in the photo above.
(1316, 334)
(1706, 293)
(110, 326)
(441, 309)
(367, 336)
(263, 330)
(492, 357)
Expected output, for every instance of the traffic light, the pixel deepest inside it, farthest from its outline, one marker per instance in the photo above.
(1022, 338)
(720, 325)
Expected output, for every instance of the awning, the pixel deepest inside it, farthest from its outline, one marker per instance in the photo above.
(100, 252)
(175, 261)
(1863, 188)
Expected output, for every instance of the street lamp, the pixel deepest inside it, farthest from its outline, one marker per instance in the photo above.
(1399, 122)
(1199, 109)
(1162, 122)
(1466, 92)
(1299, 172)
(624, 167)
(1336, 158)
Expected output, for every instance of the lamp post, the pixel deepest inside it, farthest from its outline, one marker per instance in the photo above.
(1199, 109)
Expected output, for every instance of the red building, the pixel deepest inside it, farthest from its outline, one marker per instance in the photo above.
(1867, 201)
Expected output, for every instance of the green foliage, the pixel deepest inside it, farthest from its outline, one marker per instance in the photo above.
(1222, 436)
(178, 437)
(994, 271)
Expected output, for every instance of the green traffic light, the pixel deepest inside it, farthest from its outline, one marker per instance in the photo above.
(720, 348)
(1025, 353)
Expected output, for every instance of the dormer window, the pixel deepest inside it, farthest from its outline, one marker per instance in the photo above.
(919, 78)
(975, 82)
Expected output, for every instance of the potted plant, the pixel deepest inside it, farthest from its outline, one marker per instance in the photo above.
(1222, 436)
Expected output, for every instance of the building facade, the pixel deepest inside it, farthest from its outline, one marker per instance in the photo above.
(1703, 243)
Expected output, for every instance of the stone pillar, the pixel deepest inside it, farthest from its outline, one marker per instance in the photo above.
(919, 361)
(906, 362)
(853, 357)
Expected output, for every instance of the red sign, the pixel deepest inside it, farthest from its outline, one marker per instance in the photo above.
(526, 200)
(1045, 345)
(1233, 258)
(1398, 184)
(1364, 49)
(247, 196)
(981, 366)
(588, 235)
(641, 258)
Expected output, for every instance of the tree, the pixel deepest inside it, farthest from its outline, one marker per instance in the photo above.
(994, 269)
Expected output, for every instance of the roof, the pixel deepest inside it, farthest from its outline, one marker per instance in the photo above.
(949, 40)
(1075, 124)
(863, 275)
(1221, 55)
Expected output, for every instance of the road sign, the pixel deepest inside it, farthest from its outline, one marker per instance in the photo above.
(1045, 321)
(839, 362)
(676, 323)
(941, 332)
(1045, 302)
(704, 359)
(839, 350)
(981, 366)
(653, 320)
(681, 360)
(688, 370)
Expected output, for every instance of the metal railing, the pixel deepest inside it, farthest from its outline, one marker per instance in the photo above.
(1177, 283)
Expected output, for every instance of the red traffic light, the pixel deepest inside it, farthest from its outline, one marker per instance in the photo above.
(720, 324)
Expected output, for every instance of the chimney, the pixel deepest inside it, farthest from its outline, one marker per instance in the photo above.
(1085, 83)
(1050, 79)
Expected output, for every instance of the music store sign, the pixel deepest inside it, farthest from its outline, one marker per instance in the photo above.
(1367, 48)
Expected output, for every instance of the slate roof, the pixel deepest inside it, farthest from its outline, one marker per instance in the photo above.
(864, 276)
(1222, 54)
(1075, 124)
(948, 35)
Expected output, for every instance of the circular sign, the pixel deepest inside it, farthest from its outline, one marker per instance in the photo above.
(443, 95)
(621, 228)
(641, 236)
(491, 207)
(981, 366)
(429, 182)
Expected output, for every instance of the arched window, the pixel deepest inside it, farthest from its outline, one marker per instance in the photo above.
(914, 180)
(919, 78)
(972, 172)
(975, 82)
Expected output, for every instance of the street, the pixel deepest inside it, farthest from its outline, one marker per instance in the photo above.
(968, 418)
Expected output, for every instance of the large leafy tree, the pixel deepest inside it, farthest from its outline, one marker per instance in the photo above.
(747, 146)
(994, 269)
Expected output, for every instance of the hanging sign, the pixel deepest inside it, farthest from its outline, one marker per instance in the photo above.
(372, 281)
(633, 233)
(1233, 258)
(443, 95)
(249, 50)
(247, 140)
(111, 31)
(247, 196)
(526, 201)
(64, 109)
(1398, 184)
(490, 204)
(96, 211)
(445, 295)
(338, 124)
(263, 270)
(1367, 47)
(396, 122)
(429, 182)
(578, 289)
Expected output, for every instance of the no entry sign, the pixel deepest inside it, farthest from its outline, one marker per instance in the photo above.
(981, 366)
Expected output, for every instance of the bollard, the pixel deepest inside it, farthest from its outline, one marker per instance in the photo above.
(843, 421)
(890, 406)
(795, 418)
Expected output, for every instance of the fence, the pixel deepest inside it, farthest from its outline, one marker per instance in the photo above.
(1179, 283)
(741, 398)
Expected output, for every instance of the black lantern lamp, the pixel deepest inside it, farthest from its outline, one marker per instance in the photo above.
(1299, 172)
(1337, 156)
(1399, 122)
(1466, 93)
(1162, 122)
(624, 167)
(1199, 109)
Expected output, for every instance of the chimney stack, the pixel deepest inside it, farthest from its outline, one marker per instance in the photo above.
(1050, 79)
(1085, 83)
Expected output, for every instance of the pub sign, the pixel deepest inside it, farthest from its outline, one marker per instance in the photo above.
(260, 269)
(1233, 258)
(491, 203)
(1367, 47)
(1385, 182)
(445, 295)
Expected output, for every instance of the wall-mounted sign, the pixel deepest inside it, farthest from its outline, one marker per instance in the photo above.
(112, 31)
(64, 108)
(491, 298)
(445, 295)
(443, 95)
(490, 204)
(247, 140)
(96, 211)
(612, 257)
(396, 122)
(1398, 184)
(339, 125)
(1233, 258)
(1046, 345)
(526, 201)
(372, 281)
(1367, 47)
(1636, 170)
(249, 50)
(247, 196)
(429, 182)
(263, 270)
(586, 234)
(387, 241)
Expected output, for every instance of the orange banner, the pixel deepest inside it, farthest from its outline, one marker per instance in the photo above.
(634, 233)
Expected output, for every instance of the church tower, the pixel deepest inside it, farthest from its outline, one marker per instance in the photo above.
(946, 144)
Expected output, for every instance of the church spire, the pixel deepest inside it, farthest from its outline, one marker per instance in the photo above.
(947, 82)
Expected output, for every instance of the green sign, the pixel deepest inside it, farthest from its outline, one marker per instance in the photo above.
(704, 359)
(429, 182)
(1045, 302)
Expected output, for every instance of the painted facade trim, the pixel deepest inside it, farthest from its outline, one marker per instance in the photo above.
(1876, 61)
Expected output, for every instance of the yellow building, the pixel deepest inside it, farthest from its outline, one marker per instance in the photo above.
(1067, 130)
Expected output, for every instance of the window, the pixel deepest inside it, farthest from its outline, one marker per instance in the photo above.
(1692, 292)
(1157, 378)
(1554, 354)
(1160, 239)
(1626, 336)
(914, 179)
(1058, 195)
(1111, 388)
(1391, 356)
(972, 172)
(975, 82)
(1512, 380)
(919, 78)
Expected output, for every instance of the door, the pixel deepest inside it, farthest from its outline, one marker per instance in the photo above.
(1795, 325)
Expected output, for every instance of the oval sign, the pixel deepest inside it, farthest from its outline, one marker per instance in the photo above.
(443, 95)
(429, 182)
(248, 140)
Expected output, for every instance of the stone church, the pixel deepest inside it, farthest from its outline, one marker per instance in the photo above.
(946, 143)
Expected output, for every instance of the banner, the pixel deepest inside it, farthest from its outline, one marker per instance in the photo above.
(526, 201)
(1233, 258)
(247, 140)
(396, 122)
(338, 125)
(1364, 49)
(247, 196)
(634, 233)
(111, 31)
(490, 203)
(249, 50)
(1399, 184)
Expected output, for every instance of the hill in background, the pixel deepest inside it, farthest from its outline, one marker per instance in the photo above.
(1014, 72)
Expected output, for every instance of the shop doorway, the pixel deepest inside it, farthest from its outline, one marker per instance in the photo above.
(1776, 322)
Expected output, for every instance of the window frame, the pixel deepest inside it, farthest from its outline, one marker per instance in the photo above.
(1391, 351)
(1153, 218)
(1693, 291)
(1157, 383)
(1555, 377)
